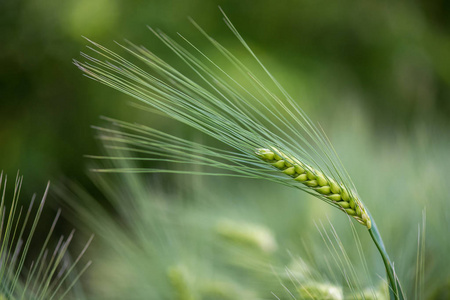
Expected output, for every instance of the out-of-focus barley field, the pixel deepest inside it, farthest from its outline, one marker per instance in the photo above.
(374, 75)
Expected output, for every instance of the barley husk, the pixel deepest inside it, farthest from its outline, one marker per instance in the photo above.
(327, 188)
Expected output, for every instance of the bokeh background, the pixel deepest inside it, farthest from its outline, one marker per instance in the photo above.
(391, 59)
(376, 74)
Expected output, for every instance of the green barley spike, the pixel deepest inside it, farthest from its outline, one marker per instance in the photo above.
(181, 286)
(325, 186)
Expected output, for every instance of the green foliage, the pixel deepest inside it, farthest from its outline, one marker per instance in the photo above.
(200, 246)
(51, 275)
(388, 66)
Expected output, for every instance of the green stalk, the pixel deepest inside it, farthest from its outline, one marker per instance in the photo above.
(395, 290)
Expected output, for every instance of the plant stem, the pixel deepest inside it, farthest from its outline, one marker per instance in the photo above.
(395, 290)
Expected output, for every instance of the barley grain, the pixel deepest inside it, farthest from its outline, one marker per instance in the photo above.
(328, 188)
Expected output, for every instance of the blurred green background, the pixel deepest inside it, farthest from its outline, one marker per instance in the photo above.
(376, 75)
(391, 59)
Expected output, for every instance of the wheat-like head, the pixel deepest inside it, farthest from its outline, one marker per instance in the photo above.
(324, 186)
(244, 114)
(244, 118)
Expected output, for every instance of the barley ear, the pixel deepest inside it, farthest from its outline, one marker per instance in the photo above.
(325, 187)
(178, 278)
